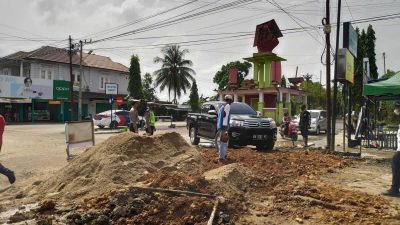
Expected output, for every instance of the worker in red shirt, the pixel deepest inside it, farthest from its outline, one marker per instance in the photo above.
(3, 170)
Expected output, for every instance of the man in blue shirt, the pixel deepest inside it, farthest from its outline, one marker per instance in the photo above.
(223, 126)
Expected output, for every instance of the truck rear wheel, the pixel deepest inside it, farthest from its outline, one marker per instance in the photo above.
(193, 136)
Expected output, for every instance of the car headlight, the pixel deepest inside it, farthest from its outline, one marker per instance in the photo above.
(236, 123)
(272, 124)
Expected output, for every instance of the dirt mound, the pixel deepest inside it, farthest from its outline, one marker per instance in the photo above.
(231, 178)
(120, 161)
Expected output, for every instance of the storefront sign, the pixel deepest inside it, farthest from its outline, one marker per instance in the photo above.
(350, 38)
(345, 66)
(53, 102)
(25, 87)
(111, 89)
(61, 90)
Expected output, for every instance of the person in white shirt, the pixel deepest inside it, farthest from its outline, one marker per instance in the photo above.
(394, 189)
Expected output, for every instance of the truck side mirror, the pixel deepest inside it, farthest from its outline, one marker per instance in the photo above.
(212, 112)
(259, 114)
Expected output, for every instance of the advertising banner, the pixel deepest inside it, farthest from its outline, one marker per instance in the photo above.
(25, 87)
(345, 66)
(61, 90)
(350, 38)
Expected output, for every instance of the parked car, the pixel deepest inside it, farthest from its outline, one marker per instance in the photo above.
(246, 127)
(119, 118)
(318, 121)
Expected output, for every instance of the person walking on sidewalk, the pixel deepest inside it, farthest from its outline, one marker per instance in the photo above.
(134, 116)
(223, 126)
(3, 170)
(394, 189)
(305, 122)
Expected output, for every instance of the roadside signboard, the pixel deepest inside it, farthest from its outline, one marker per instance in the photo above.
(111, 89)
(25, 87)
(345, 66)
(61, 90)
(350, 38)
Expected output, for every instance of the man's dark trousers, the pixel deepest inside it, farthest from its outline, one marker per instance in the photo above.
(396, 172)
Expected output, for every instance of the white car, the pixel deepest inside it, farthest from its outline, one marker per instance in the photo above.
(119, 118)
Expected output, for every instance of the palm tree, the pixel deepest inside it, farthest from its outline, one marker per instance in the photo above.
(175, 73)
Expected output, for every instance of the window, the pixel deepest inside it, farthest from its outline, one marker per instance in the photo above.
(46, 73)
(103, 81)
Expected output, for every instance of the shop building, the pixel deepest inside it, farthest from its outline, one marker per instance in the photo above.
(38, 83)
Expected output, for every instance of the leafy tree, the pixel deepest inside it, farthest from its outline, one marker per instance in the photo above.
(135, 87)
(194, 98)
(175, 73)
(221, 78)
(316, 97)
(370, 51)
(283, 81)
(356, 89)
(390, 73)
(149, 92)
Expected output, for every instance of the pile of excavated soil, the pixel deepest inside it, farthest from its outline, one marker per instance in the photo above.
(120, 161)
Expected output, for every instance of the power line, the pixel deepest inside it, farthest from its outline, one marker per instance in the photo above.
(347, 5)
(175, 20)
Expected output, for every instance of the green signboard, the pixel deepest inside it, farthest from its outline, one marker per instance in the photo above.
(61, 90)
(350, 38)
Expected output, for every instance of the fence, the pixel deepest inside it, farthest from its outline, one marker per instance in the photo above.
(380, 138)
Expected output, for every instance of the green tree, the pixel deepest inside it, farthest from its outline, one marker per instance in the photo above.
(175, 73)
(221, 78)
(356, 89)
(283, 81)
(149, 92)
(390, 73)
(316, 97)
(135, 87)
(370, 51)
(194, 98)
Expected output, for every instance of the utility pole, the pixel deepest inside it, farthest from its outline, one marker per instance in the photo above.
(71, 85)
(335, 88)
(384, 63)
(80, 82)
(327, 30)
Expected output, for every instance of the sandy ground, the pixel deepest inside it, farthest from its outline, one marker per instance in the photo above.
(36, 151)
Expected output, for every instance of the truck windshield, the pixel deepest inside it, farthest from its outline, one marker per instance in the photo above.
(242, 109)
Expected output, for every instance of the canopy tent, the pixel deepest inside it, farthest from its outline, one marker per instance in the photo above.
(389, 87)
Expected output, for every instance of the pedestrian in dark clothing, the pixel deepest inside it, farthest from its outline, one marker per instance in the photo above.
(394, 189)
(305, 122)
(3, 170)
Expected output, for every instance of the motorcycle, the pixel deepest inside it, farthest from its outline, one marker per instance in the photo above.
(288, 129)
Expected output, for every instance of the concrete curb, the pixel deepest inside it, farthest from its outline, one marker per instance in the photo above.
(108, 132)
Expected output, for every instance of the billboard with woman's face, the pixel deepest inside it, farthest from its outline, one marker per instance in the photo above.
(25, 87)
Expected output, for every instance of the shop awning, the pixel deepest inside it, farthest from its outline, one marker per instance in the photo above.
(389, 87)
(15, 100)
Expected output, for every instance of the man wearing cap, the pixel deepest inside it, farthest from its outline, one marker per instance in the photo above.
(3, 170)
(222, 126)
(394, 189)
(134, 116)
